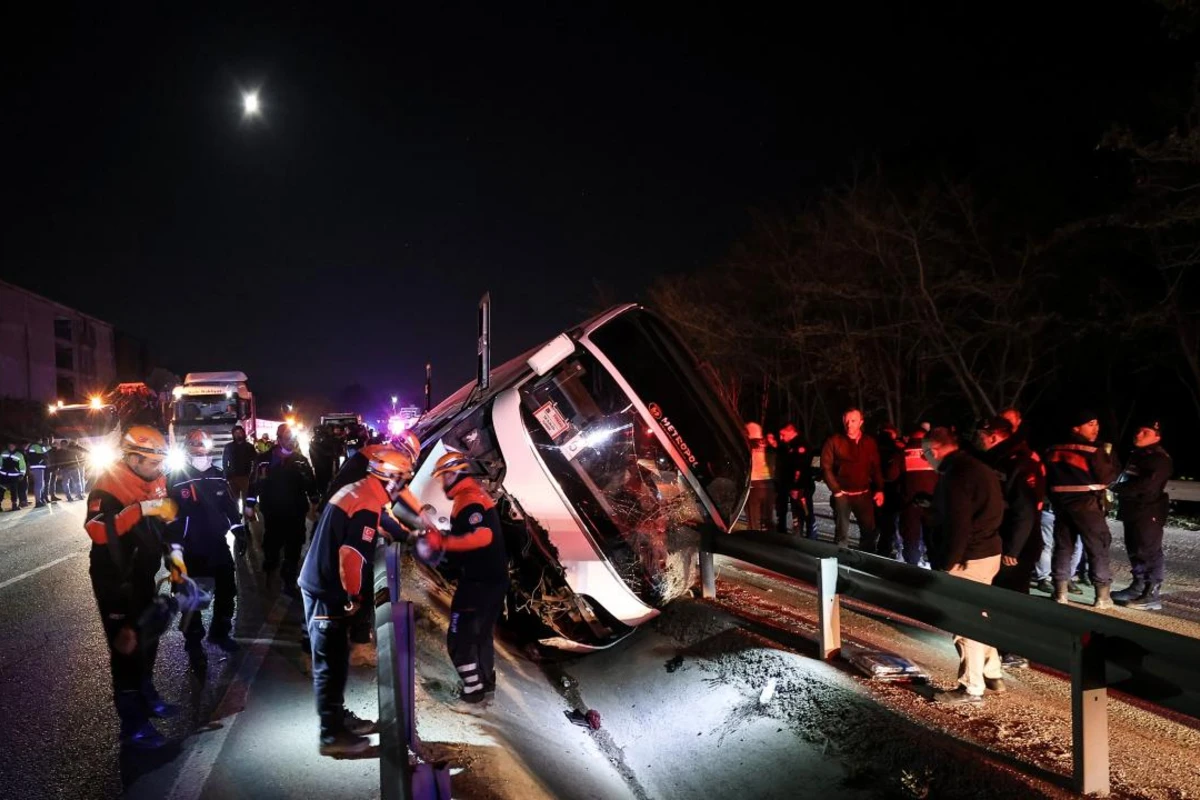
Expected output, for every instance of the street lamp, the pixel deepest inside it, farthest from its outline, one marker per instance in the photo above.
(250, 107)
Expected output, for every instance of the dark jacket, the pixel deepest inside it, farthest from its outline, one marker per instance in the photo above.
(1024, 490)
(354, 470)
(968, 510)
(1078, 472)
(238, 459)
(851, 466)
(793, 467)
(206, 512)
(476, 540)
(283, 484)
(343, 544)
(1142, 487)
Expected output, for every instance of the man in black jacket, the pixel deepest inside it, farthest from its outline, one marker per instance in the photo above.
(285, 490)
(794, 483)
(968, 511)
(1143, 511)
(1024, 489)
(237, 462)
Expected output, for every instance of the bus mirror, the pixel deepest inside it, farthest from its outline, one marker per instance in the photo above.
(552, 354)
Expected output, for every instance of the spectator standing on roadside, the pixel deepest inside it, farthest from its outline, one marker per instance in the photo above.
(968, 510)
(918, 481)
(793, 483)
(850, 462)
(237, 462)
(762, 487)
(891, 462)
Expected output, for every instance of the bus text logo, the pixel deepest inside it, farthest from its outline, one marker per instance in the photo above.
(673, 434)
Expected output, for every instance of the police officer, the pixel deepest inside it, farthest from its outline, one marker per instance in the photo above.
(333, 586)
(207, 511)
(477, 544)
(1078, 473)
(918, 480)
(1143, 510)
(286, 492)
(35, 457)
(127, 551)
(12, 467)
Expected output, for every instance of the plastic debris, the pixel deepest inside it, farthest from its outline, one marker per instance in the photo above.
(590, 719)
(768, 693)
(674, 664)
(887, 666)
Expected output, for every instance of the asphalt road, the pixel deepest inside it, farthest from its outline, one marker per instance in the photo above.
(247, 729)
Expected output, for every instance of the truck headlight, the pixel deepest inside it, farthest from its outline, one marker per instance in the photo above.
(102, 456)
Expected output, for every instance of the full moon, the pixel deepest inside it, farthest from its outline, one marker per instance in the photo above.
(250, 103)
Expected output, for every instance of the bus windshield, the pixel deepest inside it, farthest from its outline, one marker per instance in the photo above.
(666, 378)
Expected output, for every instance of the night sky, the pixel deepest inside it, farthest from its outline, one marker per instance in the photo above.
(409, 159)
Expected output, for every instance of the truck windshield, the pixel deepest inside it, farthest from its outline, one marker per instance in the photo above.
(83, 423)
(666, 378)
(203, 409)
(614, 471)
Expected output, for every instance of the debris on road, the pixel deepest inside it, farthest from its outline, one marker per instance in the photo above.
(882, 666)
(591, 719)
(768, 693)
(674, 664)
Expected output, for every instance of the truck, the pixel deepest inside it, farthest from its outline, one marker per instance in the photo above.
(213, 402)
(610, 454)
(95, 426)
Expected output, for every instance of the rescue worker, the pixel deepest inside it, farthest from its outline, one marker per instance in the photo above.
(476, 543)
(362, 649)
(237, 462)
(850, 462)
(891, 466)
(1023, 487)
(207, 511)
(285, 491)
(333, 586)
(123, 513)
(793, 482)
(35, 457)
(1143, 510)
(263, 445)
(12, 467)
(968, 511)
(918, 481)
(1078, 473)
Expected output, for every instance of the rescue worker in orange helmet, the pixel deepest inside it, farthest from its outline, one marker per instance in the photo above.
(476, 543)
(207, 511)
(124, 509)
(332, 582)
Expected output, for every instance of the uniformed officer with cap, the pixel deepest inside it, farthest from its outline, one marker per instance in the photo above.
(1143, 510)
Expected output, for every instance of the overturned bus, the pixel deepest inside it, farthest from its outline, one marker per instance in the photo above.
(609, 453)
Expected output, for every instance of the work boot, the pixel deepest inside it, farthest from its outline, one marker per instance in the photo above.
(1083, 579)
(358, 726)
(1045, 585)
(1073, 588)
(1132, 592)
(956, 696)
(995, 685)
(363, 655)
(342, 743)
(489, 683)
(1014, 661)
(1103, 597)
(1150, 599)
(1060, 592)
(155, 705)
(136, 729)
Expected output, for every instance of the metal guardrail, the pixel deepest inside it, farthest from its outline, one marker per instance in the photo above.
(396, 648)
(1097, 650)
(1184, 491)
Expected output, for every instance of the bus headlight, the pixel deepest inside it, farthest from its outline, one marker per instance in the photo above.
(102, 456)
(176, 460)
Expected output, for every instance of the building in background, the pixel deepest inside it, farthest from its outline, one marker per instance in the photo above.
(51, 352)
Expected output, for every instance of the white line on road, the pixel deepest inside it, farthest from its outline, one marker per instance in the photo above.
(189, 784)
(36, 570)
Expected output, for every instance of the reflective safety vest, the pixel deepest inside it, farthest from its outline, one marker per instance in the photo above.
(1069, 469)
(914, 460)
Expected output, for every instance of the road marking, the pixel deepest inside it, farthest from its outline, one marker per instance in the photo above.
(189, 784)
(36, 570)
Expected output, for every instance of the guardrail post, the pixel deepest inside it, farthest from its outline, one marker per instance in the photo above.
(1089, 715)
(708, 574)
(829, 608)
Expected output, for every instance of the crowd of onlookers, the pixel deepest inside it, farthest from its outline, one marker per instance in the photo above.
(42, 469)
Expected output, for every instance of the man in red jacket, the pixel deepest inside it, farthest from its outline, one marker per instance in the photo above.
(850, 462)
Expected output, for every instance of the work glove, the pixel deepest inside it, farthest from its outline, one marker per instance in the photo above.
(175, 564)
(430, 546)
(165, 509)
(241, 540)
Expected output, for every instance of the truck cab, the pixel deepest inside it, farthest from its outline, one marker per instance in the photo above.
(213, 402)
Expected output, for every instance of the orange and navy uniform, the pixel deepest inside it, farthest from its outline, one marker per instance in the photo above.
(476, 538)
(343, 543)
(1078, 471)
(123, 585)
